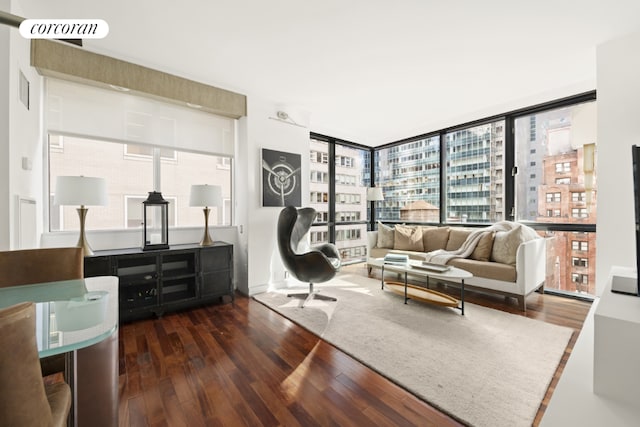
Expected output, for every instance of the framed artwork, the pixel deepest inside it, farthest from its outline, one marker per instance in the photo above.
(281, 178)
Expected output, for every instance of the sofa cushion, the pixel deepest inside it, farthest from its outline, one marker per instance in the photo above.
(378, 252)
(482, 251)
(385, 236)
(457, 236)
(408, 238)
(434, 238)
(488, 270)
(506, 243)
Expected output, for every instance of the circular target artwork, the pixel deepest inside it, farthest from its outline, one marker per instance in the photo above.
(280, 178)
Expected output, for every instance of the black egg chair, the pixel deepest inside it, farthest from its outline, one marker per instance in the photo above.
(311, 264)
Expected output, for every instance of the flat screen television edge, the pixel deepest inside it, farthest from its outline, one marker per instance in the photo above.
(623, 284)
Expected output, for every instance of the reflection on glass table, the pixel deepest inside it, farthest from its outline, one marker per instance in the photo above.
(71, 314)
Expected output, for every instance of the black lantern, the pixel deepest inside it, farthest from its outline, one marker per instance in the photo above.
(156, 222)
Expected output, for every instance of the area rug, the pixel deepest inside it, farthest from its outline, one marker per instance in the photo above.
(486, 368)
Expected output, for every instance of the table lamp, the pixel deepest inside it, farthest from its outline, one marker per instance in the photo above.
(83, 191)
(206, 195)
(374, 194)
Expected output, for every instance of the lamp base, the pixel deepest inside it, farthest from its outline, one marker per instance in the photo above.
(86, 249)
(82, 240)
(206, 239)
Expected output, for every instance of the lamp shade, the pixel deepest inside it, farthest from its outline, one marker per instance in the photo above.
(205, 195)
(80, 191)
(374, 194)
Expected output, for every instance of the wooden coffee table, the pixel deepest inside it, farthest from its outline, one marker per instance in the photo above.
(419, 293)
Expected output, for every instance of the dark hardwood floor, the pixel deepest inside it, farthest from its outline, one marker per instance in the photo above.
(241, 364)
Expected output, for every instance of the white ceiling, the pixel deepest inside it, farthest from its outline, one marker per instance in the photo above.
(367, 71)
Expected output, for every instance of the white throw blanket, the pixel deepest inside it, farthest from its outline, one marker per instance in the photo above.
(441, 256)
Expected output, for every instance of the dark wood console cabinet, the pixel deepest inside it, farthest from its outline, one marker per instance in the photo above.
(154, 282)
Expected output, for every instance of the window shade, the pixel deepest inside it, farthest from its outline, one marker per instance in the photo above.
(78, 109)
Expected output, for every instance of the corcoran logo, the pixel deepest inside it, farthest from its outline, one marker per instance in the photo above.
(64, 29)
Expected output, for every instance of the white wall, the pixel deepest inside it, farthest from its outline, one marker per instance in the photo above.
(26, 139)
(256, 252)
(241, 214)
(264, 265)
(618, 77)
(19, 134)
(5, 61)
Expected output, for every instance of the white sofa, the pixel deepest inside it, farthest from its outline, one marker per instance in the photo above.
(516, 280)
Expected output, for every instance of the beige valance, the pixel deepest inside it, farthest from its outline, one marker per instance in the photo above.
(65, 61)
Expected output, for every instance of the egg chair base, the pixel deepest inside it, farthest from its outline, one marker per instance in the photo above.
(308, 296)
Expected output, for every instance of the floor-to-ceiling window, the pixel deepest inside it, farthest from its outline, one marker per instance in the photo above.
(556, 190)
(474, 173)
(319, 189)
(535, 165)
(409, 174)
(351, 202)
(338, 187)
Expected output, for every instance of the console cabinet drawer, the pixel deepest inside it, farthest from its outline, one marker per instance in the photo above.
(214, 259)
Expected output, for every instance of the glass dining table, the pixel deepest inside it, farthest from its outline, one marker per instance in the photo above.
(70, 315)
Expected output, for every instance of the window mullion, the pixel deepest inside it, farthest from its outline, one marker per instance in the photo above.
(509, 175)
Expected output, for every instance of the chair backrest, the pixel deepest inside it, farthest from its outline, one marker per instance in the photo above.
(293, 226)
(286, 224)
(23, 400)
(307, 264)
(28, 266)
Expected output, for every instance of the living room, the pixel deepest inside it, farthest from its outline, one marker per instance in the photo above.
(612, 72)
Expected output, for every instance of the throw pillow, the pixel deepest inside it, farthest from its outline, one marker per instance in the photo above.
(435, 238)
(385, 236)
(408, 238)
(506, 243)
(482, 252)
(457, 236)
(529, 233)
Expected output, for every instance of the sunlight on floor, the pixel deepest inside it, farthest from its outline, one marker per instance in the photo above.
(291, 385)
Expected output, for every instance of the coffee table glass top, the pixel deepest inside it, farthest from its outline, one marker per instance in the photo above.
(411, 268)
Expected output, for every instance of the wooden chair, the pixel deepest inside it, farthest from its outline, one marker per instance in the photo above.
(24, 398)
